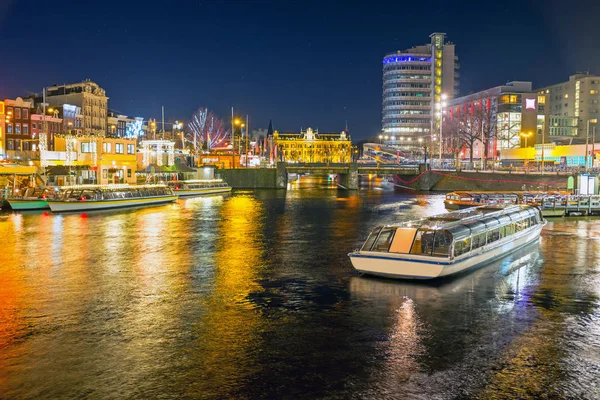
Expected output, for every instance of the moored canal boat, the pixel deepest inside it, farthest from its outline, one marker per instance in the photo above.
(466, 199)
(103, 197)
(448, 243)
(198, 187)
(32, 199)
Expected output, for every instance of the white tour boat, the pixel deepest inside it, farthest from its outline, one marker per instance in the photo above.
(198, 187)
(102, 197)
(448, 243)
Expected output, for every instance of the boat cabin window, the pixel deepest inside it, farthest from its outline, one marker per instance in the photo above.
(371, 239)
(384, 240)
(462, 247)
(432, 242)
(479, 240)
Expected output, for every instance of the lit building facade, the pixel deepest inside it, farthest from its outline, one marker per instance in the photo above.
(53, 126)
(414, 82)
(310, 146)
(124, 126)
(89, 97)
(18, 124)
(2, 127)
(508, 115)
(571, 105)
(116, 158)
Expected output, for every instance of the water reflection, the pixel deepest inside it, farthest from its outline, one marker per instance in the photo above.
(252, 295)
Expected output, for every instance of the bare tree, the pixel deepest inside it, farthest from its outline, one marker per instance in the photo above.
(206, 130)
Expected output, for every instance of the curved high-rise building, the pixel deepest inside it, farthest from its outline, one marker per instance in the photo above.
(414, 81)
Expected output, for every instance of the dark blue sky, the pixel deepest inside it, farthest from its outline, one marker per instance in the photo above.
(301, 63)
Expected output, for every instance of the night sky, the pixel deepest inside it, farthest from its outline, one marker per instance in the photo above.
(301, 63)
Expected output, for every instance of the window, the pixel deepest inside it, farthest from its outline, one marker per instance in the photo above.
(130, 149)
(17, 129)
(593, 92)
(384, 240)
(129, 172)
(106, 147)
(25, 113)
(25, 129)
(17, 113)
(566, 96)
(33, 126)
(88, 147)
(462, 247)
(371, 239)
(9, 111)
(493, 235)
(479, 240)
(119, 148)
(9, 128)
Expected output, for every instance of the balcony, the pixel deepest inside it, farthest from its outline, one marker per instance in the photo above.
(407, 80)
(406, 107)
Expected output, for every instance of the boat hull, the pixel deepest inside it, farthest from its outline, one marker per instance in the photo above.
(453, 205)
(201, 192)
(24, 204)
(90, 205)
(394, 266)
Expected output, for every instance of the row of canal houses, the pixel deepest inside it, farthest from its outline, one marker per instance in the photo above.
(70, 137)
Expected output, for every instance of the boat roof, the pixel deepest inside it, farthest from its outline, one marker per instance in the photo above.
(486, 192)
(466, 216)
(117, 186)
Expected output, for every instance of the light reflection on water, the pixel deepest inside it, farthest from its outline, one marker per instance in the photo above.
(252, 296)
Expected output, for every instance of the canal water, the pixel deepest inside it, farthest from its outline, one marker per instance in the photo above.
(252, 296)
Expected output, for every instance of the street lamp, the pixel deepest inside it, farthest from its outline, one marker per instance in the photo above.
(526, 136)
(587, 137)
(380, 137)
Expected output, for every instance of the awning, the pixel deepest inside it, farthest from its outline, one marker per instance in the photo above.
(17, 169)
(155, 169)
(179, 167)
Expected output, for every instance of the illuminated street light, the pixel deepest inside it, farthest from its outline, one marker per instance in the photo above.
(526, 136)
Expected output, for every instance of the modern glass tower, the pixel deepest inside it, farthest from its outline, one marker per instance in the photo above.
(414, 81)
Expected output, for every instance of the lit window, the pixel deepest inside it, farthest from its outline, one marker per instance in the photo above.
(130, 149)
(119, 148)
(25, 129)
(593, 92)
(106, 147)
(17, 129)
(25, 113)
(566, 96)
(17, 113)
(541, 99)
(9, 128)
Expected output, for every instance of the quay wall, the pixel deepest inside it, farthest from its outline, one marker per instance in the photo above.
(450, 181)
(254, 178)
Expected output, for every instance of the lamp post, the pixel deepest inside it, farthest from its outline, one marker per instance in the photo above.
(247, 139)
(380, 138)
(526, 136)
(424, 152)
(587, 138)
(235, 122)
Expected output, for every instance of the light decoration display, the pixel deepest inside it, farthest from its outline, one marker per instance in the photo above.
(158, 147)
(43, 147)
(206, 130)
(71, 152)
(134, 129)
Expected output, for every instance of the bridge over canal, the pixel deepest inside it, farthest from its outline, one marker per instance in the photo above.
(278, 177)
